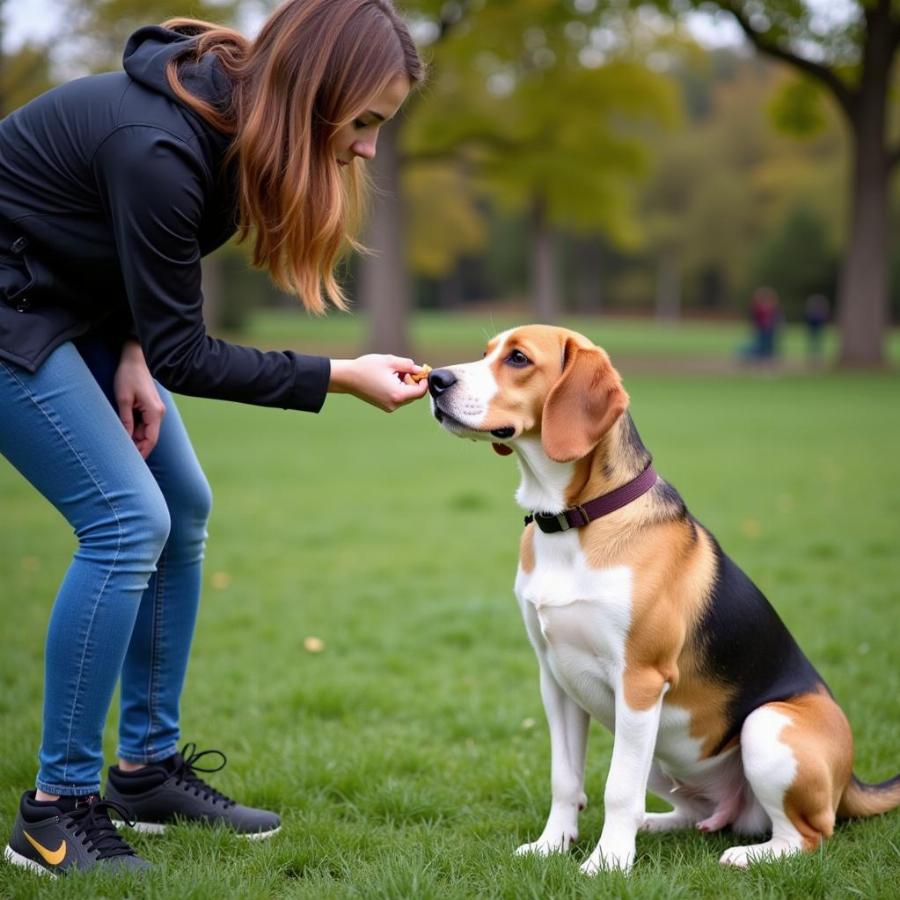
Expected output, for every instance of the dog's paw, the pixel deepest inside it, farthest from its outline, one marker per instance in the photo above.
(669, 821)
(746, 856)
(547, 844)
(608, 860)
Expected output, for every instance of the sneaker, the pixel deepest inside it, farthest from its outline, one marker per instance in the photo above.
(158, 794)
(55, 837)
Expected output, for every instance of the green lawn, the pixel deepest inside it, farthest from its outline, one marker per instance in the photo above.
(410, 757)
(440, 338)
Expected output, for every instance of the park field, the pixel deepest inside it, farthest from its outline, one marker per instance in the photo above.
(409, 756)
(698, 345)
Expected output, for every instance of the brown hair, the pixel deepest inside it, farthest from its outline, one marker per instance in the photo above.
(313, 68)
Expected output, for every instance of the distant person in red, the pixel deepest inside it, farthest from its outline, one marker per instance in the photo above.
(765, 313)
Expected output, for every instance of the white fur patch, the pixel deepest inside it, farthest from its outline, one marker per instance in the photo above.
(544, 482)
(770, 768)
(470, 397)
(577, 618)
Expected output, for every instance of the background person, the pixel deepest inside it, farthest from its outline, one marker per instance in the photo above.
(112, 188)
(816, 312)
(765, 316)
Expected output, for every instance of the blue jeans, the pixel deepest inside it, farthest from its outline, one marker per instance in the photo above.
(128, 602)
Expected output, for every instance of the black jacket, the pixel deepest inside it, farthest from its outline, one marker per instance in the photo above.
(111, 190)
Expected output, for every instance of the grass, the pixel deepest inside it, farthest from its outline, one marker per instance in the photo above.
(441, 339)
(410, 757)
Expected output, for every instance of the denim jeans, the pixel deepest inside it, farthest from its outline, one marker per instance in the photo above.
(128, 602)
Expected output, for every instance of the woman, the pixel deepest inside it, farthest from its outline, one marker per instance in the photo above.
(112, 188)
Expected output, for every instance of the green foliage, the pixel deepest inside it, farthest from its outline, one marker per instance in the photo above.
(514, 93)
(445, 222)
(797, 260)
(796, 108)
(23, 75)
(722, 186)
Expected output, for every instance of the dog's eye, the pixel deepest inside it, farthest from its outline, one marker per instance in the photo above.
(518, 359)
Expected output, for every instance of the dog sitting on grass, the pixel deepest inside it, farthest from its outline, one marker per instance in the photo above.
(641, 621)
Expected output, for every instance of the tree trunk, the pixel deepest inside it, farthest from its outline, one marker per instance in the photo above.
(384, 288)
(863, 291)
(668, 287)
(545, 286)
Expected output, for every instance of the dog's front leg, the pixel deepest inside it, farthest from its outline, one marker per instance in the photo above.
(626, 784)
(568, 725)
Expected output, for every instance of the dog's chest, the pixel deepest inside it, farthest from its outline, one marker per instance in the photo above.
(577, 618)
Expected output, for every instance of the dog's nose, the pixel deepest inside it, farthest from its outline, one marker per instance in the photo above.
(440, 380)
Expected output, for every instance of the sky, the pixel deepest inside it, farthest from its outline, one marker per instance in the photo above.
(31, 19)
(37, 19)
(34, 19)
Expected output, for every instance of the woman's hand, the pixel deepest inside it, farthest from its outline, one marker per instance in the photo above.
(377, 379)
(135, 391)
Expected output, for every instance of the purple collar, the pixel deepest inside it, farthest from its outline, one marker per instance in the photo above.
(579, 516)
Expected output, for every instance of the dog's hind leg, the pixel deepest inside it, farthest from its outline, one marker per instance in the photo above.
(568, 724)
(797, 757)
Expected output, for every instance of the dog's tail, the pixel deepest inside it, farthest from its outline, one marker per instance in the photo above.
(860, 799)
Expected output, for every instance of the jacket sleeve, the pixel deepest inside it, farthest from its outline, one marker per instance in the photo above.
(153, 186)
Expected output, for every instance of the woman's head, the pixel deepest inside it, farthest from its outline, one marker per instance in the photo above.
(311, 92)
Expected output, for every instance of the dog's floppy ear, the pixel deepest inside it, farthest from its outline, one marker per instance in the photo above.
(583, 405)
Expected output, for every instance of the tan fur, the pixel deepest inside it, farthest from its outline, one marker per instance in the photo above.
(861, 800)
(584, 403)
(526, 549)
(821, 742)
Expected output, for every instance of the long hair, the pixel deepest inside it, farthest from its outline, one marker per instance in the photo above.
(313, 68)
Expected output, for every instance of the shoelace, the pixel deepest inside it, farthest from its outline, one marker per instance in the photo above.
(100, 834)
(186, 773)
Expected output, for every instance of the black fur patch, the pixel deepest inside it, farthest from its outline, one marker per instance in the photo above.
(745, 645)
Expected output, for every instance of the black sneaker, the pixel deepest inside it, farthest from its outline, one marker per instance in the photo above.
(160, 793)
(70, 833)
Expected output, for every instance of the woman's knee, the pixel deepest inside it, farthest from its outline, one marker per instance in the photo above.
(130, 529)
(190, 503)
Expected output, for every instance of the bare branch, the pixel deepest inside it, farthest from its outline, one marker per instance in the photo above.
(845, 97)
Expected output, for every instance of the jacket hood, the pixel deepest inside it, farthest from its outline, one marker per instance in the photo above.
(148, 52)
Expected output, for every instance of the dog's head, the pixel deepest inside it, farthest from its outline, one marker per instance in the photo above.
(533, 381)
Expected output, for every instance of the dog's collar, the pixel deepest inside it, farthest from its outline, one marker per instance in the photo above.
(579, 516)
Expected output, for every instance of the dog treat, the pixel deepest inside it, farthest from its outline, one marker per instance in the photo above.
(419, 376)
(415, 377)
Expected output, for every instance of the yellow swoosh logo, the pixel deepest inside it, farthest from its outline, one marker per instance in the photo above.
(54, 857)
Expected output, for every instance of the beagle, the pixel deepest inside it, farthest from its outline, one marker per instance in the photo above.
(641, 621)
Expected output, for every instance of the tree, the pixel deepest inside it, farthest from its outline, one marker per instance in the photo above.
(24, 74)
(797, 260)
(851, 58)
(550, 125)
(385, 292)
(722, 185)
